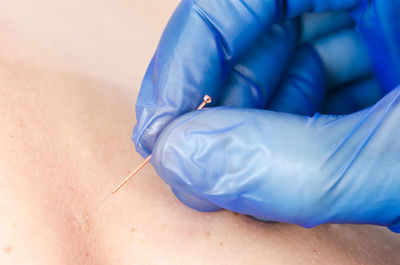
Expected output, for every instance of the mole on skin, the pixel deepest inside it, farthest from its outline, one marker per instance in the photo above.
(8, 249)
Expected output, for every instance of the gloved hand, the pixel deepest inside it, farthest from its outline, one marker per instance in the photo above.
(288, 167)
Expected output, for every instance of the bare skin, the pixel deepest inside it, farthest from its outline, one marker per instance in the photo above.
(65, 142)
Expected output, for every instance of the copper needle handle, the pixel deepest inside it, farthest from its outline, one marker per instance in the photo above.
(206, 100)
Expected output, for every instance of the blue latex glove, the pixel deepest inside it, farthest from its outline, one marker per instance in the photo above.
(286, 167)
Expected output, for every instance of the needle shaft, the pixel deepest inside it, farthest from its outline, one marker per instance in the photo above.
(206, 100)
(133, 173)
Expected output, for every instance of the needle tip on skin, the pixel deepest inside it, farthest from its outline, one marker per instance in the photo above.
(83, 221)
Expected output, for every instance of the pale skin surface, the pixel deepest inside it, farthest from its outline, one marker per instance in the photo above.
(66, 115)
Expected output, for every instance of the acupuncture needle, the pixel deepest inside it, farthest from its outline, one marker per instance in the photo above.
(206, 100)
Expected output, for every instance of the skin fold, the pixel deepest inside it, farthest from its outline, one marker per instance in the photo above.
(66, 115)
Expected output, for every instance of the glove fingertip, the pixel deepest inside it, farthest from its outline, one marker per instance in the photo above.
(137, 140)
(395, 228)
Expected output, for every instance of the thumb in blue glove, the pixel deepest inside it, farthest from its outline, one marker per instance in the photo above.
(288, 168)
